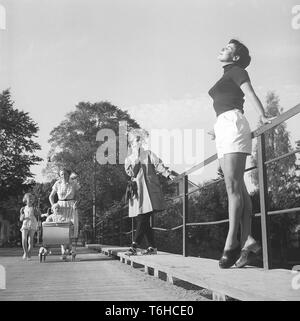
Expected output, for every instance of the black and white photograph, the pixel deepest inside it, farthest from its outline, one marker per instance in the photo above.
(149, 153)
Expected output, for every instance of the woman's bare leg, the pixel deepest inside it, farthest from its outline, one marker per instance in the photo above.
(30, 241)
(24, 242)
(246, 238)
(233, 166)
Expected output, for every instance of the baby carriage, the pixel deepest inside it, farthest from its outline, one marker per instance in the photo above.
(56, 234)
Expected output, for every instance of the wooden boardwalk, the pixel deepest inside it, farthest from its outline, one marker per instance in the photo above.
(249, 283)
(94, 276)
(99, 276)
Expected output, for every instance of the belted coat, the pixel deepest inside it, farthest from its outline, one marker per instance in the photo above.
(144, 170)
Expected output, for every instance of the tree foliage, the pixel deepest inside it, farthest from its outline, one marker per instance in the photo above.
(17, 131)
(17, 154)
(283, 186)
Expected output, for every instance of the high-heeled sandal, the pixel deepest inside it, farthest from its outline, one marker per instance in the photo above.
(248, 254)
(131, 251)
(229, 257)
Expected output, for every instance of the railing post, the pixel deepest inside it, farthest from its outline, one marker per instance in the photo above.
(103, 229)
(121, 227)
(152, 220)
(263, 195)
(100, 232)
(185, 216)
(132, 230)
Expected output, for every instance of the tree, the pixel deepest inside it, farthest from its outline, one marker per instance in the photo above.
(277, 144)
(41, 191)
(74, 145)
(17, 150)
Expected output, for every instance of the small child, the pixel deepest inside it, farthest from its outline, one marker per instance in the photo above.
(56, 217)
(28, 215)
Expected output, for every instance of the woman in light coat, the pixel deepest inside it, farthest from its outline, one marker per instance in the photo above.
(143, 166)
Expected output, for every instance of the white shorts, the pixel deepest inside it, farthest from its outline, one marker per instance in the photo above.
(233, 133)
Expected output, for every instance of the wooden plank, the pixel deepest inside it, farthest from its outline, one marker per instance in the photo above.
(170, 278)
(249, 283)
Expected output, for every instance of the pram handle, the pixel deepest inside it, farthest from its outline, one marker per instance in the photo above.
(61, 224)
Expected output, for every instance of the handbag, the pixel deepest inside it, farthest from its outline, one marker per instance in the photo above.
(131, 190)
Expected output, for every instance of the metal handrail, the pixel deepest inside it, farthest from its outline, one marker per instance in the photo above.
(282, 156)
(278, 212)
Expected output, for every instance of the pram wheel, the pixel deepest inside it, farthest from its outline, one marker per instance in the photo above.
(42, 257)
(63, 258)
(42, 254)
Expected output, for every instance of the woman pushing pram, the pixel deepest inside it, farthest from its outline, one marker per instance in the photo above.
(61, 231)
(65, 216)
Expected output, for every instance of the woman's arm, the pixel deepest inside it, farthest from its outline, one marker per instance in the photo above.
(160, 167)
(51, 197)
(49, 219)
(212, 134)
(249, 92)
(76, 188)
(22, 214)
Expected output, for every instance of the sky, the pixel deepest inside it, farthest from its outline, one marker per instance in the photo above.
(154, 58)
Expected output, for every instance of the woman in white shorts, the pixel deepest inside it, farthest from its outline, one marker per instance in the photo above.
(233, 142)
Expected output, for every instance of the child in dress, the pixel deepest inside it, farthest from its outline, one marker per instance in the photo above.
(28, 215)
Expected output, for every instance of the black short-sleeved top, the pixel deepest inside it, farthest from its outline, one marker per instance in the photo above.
(226, 93)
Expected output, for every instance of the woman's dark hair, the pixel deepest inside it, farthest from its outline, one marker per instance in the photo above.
(242, 51)
(66, 170)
